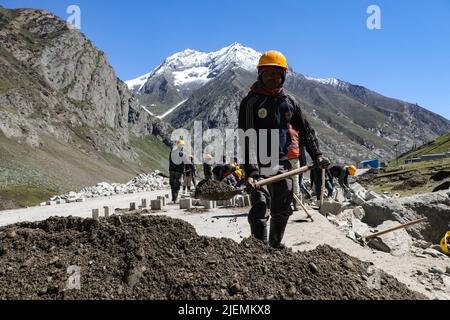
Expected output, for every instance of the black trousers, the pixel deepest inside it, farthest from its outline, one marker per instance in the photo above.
(175, 183)
(272, 201)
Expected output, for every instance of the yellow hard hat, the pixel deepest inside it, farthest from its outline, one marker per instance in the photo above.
(273, 58)
(351, 170)
(444, 244)
(180, 142)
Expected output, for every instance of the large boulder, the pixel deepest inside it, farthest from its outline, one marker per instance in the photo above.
(434, 206)
(397, 242)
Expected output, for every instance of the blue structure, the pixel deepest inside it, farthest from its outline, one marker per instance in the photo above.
(374, 164)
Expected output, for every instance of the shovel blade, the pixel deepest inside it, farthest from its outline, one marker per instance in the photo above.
(212, 190)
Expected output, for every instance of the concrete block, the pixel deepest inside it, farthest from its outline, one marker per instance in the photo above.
(163, 199)
(357, 188)
(247, 201)
(229, 203)
(239, 201)
(108, 210)
(95, 214)
(156, 204)
(209, 204)
(331, 207)
(133, 206)
(144, 203)
(372, 195)
(357, 199)
(219, 203)
(186, 203)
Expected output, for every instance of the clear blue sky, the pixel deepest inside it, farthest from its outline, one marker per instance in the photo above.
(409, 58)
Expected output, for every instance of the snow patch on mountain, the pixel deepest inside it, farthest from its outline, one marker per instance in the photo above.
(333, 82)
(171, 110)
(138, 83)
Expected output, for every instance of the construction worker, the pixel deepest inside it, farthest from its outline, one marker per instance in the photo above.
(189, 174)
(176, 168)
(268, 107)
(341, 172)
(293, 155)
(316, 182)
(207, 168)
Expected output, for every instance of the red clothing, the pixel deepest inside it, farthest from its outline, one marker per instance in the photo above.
(294, 148)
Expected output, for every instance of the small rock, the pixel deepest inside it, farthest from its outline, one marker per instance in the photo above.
(313, 268)
(436, 270)
(348, 264)
(291, 291)
(235, 288)
(307, 291)
(3, 251)
(42, 291)
(54, 260)
(270, 297)
(12, 234)
(431, 252)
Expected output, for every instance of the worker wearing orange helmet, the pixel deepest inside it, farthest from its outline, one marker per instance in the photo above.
(268, 107)
(341, 172)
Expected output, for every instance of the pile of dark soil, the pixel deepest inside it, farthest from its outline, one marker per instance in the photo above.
(152, 257)
(214, 190)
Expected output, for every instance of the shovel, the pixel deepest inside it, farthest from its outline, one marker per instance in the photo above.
(215, 191)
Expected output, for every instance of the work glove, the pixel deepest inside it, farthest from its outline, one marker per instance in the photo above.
(323, 163)
(250, 183)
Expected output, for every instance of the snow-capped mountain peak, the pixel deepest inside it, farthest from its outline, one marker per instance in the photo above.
(196, 67)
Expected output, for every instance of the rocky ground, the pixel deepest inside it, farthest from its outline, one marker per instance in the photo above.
(154, 180)
(147, 257)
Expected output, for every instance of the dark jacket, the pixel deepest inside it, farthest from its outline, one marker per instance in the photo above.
(189, 170)
(177, 167)
(259, 111)
(207, 171)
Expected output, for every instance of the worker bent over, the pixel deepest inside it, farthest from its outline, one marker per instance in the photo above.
(267, 106)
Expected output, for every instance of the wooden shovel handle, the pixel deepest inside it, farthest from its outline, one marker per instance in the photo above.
(283, 176)
(373, 235)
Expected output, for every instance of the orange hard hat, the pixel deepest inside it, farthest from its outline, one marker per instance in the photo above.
(273, 58)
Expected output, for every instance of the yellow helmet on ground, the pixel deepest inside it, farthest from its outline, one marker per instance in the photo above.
(445, 244)
(273, 58)
(180, 142)
(352, 170)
